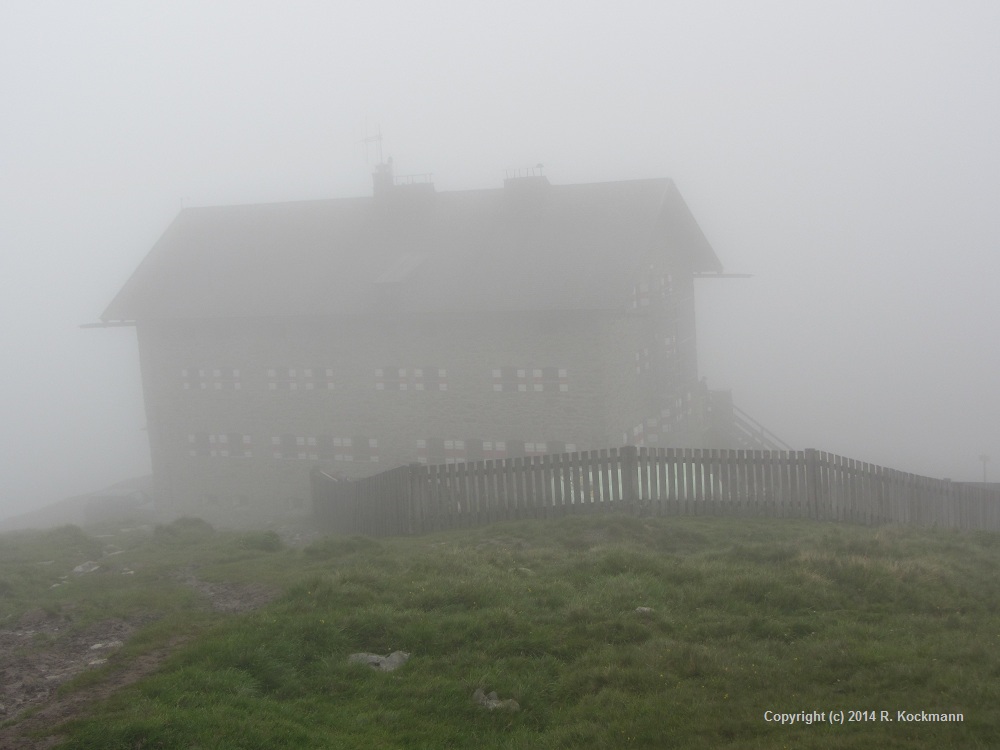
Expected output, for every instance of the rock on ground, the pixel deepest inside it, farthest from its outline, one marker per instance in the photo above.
(384, 663)
(492, 701)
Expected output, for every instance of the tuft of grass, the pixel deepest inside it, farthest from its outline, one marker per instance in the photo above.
(185, 530)
(265, 541)
(335, 547)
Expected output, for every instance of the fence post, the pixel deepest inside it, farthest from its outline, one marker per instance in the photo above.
(812, 482)
(321, 505)
(413, 503)
(947, 511)
(629, 463)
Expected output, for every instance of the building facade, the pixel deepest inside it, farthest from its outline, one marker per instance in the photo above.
(412, 326)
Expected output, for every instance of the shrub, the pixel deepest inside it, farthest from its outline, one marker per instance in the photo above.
(265, 541)
(186, 529)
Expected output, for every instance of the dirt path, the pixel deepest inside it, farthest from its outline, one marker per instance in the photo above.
(53, 709)
(43, 651)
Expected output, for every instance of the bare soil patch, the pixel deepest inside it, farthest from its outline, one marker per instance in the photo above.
(43, 651)
(228, 597)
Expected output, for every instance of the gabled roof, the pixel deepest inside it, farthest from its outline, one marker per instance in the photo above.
(524, 247)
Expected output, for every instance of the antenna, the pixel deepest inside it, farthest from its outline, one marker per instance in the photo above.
(376, 139)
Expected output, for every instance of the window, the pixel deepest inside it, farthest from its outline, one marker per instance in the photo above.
(300, 379)
(417, 379)
(220, 445)
(534, 379)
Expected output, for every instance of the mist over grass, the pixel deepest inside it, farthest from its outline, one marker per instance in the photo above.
(745, 617)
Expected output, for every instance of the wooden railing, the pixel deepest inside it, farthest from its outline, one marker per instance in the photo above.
(648, 481)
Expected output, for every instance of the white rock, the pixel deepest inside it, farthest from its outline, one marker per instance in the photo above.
(384, 663)
(492, 701)
(109, 644)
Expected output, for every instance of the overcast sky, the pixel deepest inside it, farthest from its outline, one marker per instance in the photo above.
(846, 154)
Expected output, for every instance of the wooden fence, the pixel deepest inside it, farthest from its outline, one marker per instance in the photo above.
(417, 499)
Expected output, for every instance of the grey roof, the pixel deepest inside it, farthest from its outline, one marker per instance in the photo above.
(530, 246)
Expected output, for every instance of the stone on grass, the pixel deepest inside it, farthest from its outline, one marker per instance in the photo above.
(492, 701)
(109, 644)
(644, 610)
(383, 663)
(88, 567)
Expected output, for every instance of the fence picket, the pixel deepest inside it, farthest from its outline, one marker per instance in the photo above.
(534, 488)
(726, 483)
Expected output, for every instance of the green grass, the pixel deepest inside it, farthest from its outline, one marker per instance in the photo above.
(748, 616)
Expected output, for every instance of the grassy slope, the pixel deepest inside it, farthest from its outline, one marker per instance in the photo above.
(747, 616)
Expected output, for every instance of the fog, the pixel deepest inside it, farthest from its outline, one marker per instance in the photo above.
(844, 154)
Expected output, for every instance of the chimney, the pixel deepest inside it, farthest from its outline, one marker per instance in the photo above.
(409, 197)
(382, 179)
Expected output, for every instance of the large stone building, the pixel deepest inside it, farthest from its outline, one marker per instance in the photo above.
(412, 326)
